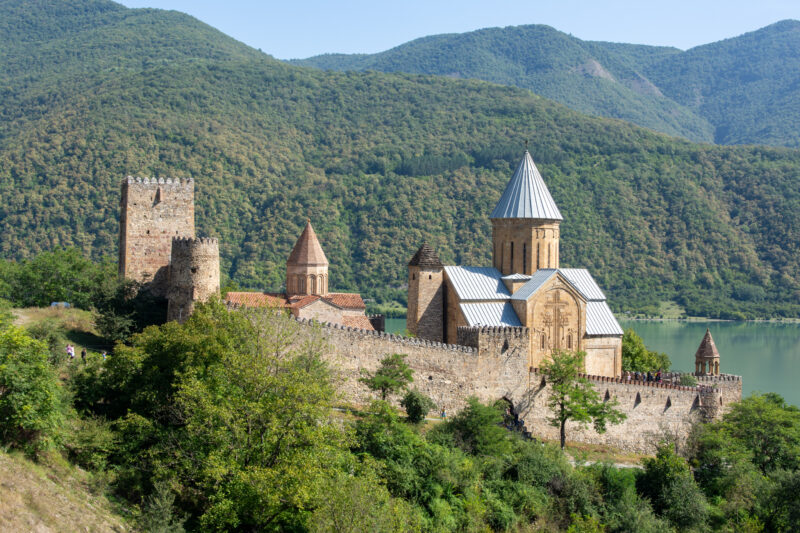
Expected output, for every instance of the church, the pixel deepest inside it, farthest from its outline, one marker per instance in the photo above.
(307, 294)
(563, 308)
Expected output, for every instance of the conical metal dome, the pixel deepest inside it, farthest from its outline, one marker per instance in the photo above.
(526, 195)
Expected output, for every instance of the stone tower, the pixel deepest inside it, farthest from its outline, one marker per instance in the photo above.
(193, 275)
(152, 212)
(525, 224)
(425, 317)
(706, 359)
(307, 266)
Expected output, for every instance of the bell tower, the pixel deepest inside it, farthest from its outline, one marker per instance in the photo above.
(525, 224)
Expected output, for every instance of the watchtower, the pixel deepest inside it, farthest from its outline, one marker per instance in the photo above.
(193, 275)
(152, 212)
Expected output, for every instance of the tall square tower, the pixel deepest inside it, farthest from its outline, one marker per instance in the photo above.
(152, 212)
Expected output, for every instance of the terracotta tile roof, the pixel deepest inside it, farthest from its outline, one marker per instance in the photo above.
(425, 257)
(707, 349)
(307, 250)
(342, 300)
(360, 322)
(345, 300)
(257, 299)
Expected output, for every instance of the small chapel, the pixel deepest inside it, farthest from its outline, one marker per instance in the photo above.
(563, 308)
(307, 294)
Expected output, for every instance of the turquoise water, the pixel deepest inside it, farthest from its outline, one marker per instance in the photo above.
(766, 355)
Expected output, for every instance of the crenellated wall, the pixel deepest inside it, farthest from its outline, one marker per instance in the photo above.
(492, 363)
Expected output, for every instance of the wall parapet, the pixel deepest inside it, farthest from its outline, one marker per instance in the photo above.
(147, 181)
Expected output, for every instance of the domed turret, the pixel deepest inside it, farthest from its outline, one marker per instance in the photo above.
(307, 267)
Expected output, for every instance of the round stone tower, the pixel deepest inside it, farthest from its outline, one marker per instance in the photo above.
(193, 275)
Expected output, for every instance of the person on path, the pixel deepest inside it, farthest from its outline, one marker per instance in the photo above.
(70, 352)
(83, 355)
(104, 355)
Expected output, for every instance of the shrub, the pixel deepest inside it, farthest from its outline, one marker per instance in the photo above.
(417, 406)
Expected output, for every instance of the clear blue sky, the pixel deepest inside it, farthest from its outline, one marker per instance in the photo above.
(300, 28)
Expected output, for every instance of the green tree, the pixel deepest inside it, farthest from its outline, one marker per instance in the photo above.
(637, 358)
(478, 429)
(573, 398)
(417, 406)
(391, 377)
(668, 483)
(30, 394)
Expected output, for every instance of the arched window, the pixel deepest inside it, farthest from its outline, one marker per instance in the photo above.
(569, 341)
(321, 285)
(312, 285)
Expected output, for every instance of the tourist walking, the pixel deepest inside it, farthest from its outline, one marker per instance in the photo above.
(83, 355)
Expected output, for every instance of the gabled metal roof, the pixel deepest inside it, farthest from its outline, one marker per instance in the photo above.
(526, 195)
(477, 283)
(517, 277)
(490, 314)
(600, 320)
(537, 280)
(584, 282)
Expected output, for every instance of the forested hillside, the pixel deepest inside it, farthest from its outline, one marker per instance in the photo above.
(744, 90)
(92, 91)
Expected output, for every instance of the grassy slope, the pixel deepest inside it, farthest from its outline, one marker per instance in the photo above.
(379, 162)
(55, 498)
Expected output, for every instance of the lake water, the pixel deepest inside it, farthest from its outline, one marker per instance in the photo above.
(765, 354)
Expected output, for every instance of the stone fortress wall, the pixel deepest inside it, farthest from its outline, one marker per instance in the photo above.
(492, 364)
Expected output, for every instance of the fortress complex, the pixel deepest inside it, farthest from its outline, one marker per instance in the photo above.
(559, 308)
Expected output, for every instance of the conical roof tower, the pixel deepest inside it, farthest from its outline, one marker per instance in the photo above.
(526, 195)
(706, 359)
(307, 266)
(525, 223)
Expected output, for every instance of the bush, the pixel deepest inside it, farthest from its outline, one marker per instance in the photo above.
(30, 395)
(417, 406)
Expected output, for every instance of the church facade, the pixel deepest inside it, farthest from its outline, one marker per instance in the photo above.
(563, 308)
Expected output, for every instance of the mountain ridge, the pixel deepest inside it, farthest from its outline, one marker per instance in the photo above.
(654, 87)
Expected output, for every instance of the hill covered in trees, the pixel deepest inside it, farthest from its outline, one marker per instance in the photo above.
(92, 91)
(742, 90)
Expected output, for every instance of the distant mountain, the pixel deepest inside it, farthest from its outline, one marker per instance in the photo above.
(91, 91)
(744, 90)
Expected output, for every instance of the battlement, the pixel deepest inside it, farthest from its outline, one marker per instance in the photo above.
(494, 340)
(194, 243)
(156, 182)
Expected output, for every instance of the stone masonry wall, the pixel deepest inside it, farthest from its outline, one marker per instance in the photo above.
(152, 212)
(449, 374)
(193, 275)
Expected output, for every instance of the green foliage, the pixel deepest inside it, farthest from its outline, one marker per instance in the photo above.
(158, 515)
(637, 358)
(30, 395)
(391, 377)
(478, 429)
(688, 380)
(417, 406)
(169, 96)
(573, 398)
(6, 316)
(667, 481)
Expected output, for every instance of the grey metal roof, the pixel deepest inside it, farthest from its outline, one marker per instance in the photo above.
(526, 195)
(537, 280)
(584, 282)
(517, 277)
(477, 283)
(490, 314)
(600, 320)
